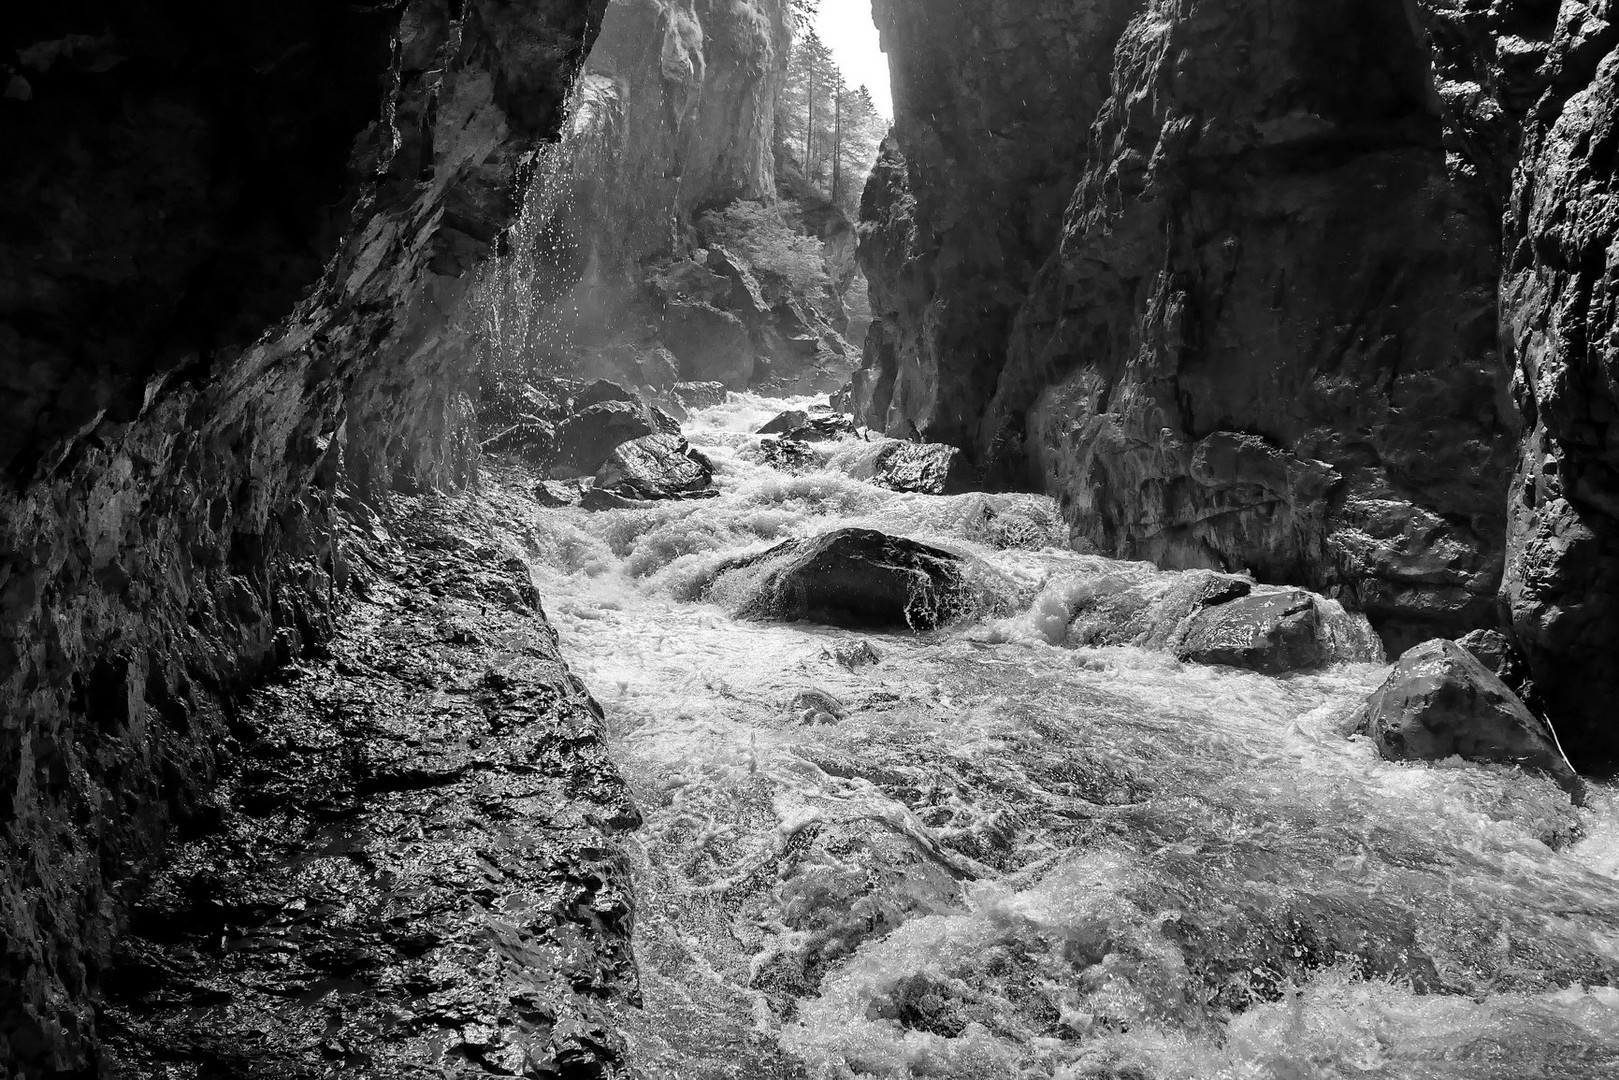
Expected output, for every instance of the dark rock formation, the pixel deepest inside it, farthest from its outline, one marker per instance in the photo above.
(1440, 702)
(924, 468)
(413, 866)
(785, 423)
(586, 439)
(711, 344)
(1499, 655)
(856, 578)
(231, 240)
(655, 467)
(1211, 618)
(1271, 632)
(1233, 280)
(699, 395)
(1260, 337)
(788, 455)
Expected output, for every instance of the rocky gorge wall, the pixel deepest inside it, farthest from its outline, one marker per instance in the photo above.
(674, 116)
(1298, 288)
(231, 241)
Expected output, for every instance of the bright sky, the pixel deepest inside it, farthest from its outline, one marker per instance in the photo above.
(846, 28)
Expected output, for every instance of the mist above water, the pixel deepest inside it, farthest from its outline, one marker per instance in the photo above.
(984, 852)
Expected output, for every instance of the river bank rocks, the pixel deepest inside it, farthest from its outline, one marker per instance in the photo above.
(234, 239)
(585, 440)
(411, 866)
(857, 578)
(1440, 702)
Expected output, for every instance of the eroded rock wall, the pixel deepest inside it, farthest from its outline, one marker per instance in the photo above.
(229, 240)
(1331, 278)
(1260, 335)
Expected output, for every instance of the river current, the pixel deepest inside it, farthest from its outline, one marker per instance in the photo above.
(986, 851)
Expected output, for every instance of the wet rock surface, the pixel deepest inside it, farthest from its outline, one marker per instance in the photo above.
(1266, 631)
(923, 468)
(1439, 701)
(655, 467)
(699, 395)
(232, 241)
(410, 867)
(855, 578)
(1189, 401)
(586, 440)
(1209, 618)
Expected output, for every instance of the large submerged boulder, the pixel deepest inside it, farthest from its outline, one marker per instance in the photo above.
(857, 578)
(1440, 701)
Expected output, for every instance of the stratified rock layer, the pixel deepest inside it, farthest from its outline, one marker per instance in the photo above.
(230, 242)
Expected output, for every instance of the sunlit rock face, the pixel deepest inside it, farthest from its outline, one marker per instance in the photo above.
(230, 241)
(687, 103)
(675, 116)
(1241, 313)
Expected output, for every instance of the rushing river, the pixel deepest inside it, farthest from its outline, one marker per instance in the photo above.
(985, 852)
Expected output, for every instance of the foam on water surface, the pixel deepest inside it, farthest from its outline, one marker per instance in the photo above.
(990, 853)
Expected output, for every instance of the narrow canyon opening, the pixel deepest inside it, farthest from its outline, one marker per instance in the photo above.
(817, 539)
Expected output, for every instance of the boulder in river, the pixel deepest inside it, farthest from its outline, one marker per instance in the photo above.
(557, 494)
(699, 395)
(788, 455)
(785, 423)
(856, 578)
(1270, 631)
(658, 466)
(924, 468)
(1440, 701)
(586, 439)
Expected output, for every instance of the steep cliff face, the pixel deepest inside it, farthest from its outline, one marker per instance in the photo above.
(1557, 78)
(992, 103)
(1268, 330)
(179, 180)
(1262, 334)
(674, 117)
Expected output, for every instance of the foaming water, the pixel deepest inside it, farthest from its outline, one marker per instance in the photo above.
(993, 851)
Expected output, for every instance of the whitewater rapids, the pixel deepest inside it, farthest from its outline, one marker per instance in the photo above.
(983, 852)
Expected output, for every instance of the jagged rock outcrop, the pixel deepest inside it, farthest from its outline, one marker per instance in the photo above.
(1266, 332)
(1260, 336)
(231, 243)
